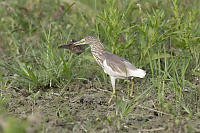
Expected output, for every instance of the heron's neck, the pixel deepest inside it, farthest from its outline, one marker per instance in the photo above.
(97, 50)
(97, 47)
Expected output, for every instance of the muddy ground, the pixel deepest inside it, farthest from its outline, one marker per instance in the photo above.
(82, 107)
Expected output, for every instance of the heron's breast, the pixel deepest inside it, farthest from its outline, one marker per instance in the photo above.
(98, 57)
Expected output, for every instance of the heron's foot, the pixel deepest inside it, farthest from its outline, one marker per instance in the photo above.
(113, 94)
(131, 96)
(131, 91)
(110, 99)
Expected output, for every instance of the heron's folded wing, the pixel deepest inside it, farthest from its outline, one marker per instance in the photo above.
(114, 66)
(129, 65)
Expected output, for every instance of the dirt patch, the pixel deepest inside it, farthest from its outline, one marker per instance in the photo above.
(83, 108)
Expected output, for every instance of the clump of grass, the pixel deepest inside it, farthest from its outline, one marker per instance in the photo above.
(8, 124)
(165, 46)
(112, 26)
(35, 59)
(49, 67)
(159, 36)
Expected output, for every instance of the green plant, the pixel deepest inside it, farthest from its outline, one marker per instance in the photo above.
(161, 37)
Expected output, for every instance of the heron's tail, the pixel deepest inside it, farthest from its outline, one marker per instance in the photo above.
(137, 73)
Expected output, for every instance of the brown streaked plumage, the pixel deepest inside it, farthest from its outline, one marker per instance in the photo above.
(113, 65)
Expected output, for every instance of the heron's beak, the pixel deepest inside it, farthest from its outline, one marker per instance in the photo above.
(81, 42)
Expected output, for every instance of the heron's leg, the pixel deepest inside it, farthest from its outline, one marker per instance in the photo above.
(113, 86)
(131, 91)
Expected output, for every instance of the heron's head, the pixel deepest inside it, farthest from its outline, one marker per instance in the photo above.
(88, 40)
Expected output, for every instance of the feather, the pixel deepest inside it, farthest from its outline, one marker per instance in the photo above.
(136, 73)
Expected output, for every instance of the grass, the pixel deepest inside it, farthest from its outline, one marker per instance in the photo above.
(55, 90)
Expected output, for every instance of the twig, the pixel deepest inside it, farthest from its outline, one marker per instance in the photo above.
(153, 110)
(152, 130)
(84, 128)
(104, 90)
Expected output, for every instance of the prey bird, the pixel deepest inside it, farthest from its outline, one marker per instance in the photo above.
(70, 46)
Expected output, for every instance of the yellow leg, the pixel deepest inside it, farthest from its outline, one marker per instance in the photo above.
(111, 96)
(131, 91)
(113, 86)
